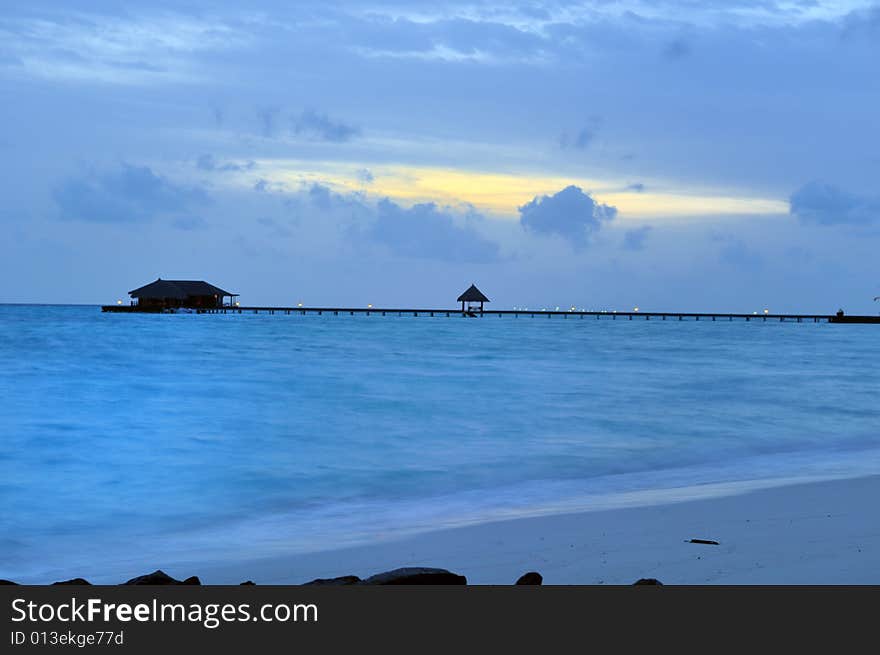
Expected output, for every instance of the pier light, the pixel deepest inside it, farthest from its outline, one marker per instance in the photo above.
(557, 309)
(766, 311)
(299, 305)
(238, 304)
(118, 302)
(635, 309)
(369, 306)
(754, 313)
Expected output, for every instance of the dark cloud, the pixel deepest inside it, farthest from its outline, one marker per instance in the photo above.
(579, 140)
(322, 197)
(635, 239)
(570, 213)
(210, 163)
(321, 127)
(268, 118)
(426, 231)
(826, 204)
(130, 194)
(638, 187)
(862, 24)
(677, 49)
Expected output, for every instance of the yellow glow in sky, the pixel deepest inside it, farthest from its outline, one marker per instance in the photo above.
(502, 194)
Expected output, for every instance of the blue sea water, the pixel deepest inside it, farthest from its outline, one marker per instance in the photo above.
(155, 439)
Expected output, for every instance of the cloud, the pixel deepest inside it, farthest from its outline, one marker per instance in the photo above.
(635, 239)
(365, 175)
(578, 141)
(114, 47)
(863, 23)
(268, 118)
(677, 49)
(130, 194)
(209, 163)
(638, 187)
(426, 231)
(825, 204)
(447, 39)
(320, 127)
(570, 213)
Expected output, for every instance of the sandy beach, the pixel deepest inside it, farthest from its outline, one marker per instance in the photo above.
(813, 533)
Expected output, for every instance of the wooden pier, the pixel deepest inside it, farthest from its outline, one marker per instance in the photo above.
(513, 313)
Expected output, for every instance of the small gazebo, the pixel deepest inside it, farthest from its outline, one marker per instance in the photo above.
(472, 295)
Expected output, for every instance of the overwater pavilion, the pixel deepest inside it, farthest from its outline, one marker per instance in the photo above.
(472, 295)
(175, 294)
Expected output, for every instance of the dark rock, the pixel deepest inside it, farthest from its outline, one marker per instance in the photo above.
(192, 580)
(247, 583)
(704, 541)
(416, 575)
(160, 577)
(530, 578)
(343, 580)
(2, 582)
(78, 581)
(647, 581)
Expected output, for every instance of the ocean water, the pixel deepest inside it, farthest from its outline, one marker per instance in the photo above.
(129, 442)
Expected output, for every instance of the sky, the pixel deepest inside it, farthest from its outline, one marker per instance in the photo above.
(675, 155)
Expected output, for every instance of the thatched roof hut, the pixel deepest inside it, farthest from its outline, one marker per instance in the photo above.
(472, 294)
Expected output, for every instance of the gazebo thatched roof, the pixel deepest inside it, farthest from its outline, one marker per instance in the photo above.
(473, 295)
